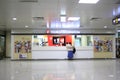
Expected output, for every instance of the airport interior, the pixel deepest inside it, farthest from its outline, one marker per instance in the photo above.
(59, 39)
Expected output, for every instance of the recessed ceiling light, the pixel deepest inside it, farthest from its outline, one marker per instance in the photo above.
(111, 76)
(105, 26)
(14, 19)
(26, 26)
(73, 18)
(88, 1)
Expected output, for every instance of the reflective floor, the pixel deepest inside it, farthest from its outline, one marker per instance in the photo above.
(60, 70)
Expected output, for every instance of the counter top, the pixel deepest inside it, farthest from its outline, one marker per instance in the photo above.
(59, 48)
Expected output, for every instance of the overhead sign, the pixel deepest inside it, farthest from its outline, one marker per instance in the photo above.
(116, 20)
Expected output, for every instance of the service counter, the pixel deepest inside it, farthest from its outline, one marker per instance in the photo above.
(48, 46)
(60, 52)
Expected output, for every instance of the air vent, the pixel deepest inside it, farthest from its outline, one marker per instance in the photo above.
(38, 18)
(39, 21)
(28, 0)
(118, 2)
(94, 18)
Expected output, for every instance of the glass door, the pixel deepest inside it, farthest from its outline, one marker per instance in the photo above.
(117, 47)
(2, 47)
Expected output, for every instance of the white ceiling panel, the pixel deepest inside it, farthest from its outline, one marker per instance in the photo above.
(51, 10)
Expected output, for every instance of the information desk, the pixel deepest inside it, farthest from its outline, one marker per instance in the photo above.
(54, 52)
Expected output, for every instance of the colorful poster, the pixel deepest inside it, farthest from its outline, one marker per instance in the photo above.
(103, 46)
(22, 46)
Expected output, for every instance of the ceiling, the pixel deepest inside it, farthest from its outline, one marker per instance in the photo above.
(38, 14)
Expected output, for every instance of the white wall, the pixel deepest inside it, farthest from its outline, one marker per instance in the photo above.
(49, 54)
(60, 52)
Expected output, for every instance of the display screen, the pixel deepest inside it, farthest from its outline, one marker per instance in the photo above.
(59, 40)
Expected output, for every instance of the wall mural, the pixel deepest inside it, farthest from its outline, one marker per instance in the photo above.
(22, 46)
(103, 46)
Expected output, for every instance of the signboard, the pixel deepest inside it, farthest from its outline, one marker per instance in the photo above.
(116, 20)
(59, 40)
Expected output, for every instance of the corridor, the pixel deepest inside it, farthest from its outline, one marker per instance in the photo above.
(60, 70)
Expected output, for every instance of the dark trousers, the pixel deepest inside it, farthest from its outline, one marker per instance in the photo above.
(70, 54)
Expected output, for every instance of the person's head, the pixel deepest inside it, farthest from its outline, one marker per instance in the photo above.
(70, 43)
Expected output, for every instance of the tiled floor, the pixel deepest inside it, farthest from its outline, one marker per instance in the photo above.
(60, 70)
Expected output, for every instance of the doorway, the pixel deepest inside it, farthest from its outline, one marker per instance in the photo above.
(2, 47)
(117, 47)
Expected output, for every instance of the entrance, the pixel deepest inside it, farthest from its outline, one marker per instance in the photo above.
(117, 47)
(2, 47)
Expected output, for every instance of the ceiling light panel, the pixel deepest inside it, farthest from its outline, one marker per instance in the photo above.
(28, 0)
(88, 1)
(14, 19)
(73, 18)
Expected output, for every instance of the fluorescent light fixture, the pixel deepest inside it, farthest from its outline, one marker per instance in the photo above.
(14, 19)
(88, 1)
(73, 18)
(63, 18)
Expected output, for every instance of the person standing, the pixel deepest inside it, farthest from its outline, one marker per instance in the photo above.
(70, 50)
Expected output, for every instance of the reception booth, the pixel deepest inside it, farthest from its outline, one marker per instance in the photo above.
(54, 46)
